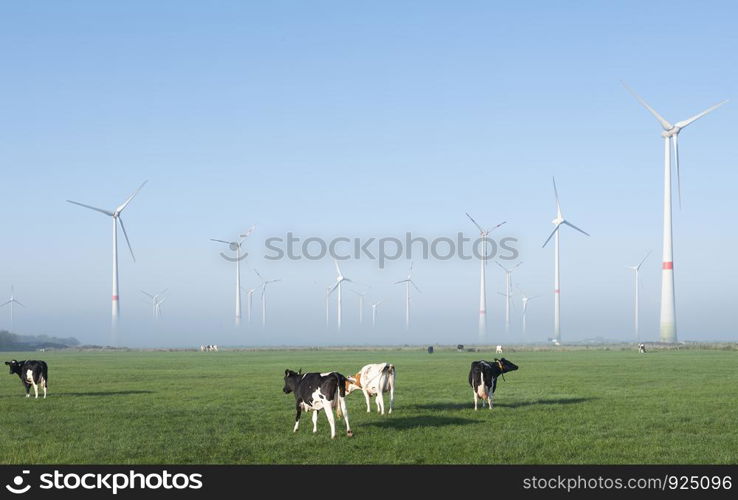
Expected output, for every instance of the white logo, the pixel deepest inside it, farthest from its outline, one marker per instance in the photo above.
(18, 481)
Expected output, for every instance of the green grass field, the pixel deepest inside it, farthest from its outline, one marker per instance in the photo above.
(578, 407)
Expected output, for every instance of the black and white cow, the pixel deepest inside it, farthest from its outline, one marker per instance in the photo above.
(483, 378)
(32, 373)
(315, 392)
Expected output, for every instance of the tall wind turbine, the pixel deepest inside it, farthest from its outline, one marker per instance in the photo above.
(361, 306)
(155, 298)
(637, 269)
(340, 278)
(327, 309)
(264, 284)
(236, 247)
(508, 292)
(374, 313)
(12, 302)
(482, 281)
(117, 218)
(408, 281)
(667, 322)
(558, 222)
(249, 301)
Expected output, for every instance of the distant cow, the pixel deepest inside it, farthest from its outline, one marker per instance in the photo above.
(373, 380)
(498, 350)
(315, 392)
(430, 349)
(642, 348)
(460, 347)
(32, 373)
(483, 378)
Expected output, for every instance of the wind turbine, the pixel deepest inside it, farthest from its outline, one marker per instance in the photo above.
(408, 281)
(12, 303)
(558, 222)
(340, 278)
(154, 301)
(116, 215)
(526, 299)
(264, 284)
(508, 292)
(158, 306)
(374, 312)
(236, 247)
(482, 281)
(327, 310)
(667, 322)
(249, 300)
(361, 306)
(637, 269)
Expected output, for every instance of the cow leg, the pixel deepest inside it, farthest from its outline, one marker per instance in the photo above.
(342, 406)
(328, 407)
(380, 402)
(315, 422)
(28, 389)
(392, 395)
(491, 396)
(35, 389)
(475, 399)
(44, 388)
(297, 419)
(368, 402)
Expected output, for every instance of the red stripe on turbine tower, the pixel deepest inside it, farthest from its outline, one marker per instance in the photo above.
(556, 291)
(115, 297)
(668, 265)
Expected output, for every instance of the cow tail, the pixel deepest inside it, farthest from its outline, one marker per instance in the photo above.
(340, 392)
(45, 369)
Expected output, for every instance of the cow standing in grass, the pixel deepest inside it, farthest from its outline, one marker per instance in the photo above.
(374, 380)
(483, 378)
(315, 392)
(32, 373)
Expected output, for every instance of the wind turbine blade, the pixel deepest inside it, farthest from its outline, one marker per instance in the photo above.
(125, 203)
(665, 124)
(551, 235)
(221, 241)
(675, 139)
(333, 288)
(517, 265)
(401, 281)
(164, 291)
(147, 294)
(696, 117)
(248, 232)
(414, 285)
(556, 193)
(644, 260)
(18, 302)
(501, 266)
(475, 222)
(5, 303)
(120, 219)
(106, 212)
(162, 301)
(498, 225)
(338, 269)
(575, 227)
(259, 275)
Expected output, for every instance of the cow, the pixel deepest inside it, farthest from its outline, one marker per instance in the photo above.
(32, 373)
(373, 380)
(498, 350)
(642, 348)
(315, 392)
(483, 378)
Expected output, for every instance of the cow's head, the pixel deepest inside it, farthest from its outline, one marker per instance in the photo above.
(353, 383)
(15, 366)
(505, 365)
(290, 380)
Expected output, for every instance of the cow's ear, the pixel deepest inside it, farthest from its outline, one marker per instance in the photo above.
(299, 371)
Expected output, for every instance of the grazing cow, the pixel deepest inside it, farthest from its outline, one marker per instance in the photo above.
(373, 380)
(498, 350)
(642, 348)
(460, 347)
(483, 378)
(315, 392)
(430, 349)
(32, 373)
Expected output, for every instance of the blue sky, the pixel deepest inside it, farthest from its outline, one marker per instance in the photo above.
(362, 120)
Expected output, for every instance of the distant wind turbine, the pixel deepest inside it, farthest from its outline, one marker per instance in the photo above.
(235, 246)
(117, 218)
(155, 301)
(667, 321)
(558, 222)
(508, 292)
(264, 284)
(482, 281)
(361, 306)
(12, 303)
(526, 299)
(374, 312)
(340, 278)
(408, 281)
(637, 269)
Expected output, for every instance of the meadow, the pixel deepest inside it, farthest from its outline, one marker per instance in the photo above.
(568, 407)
